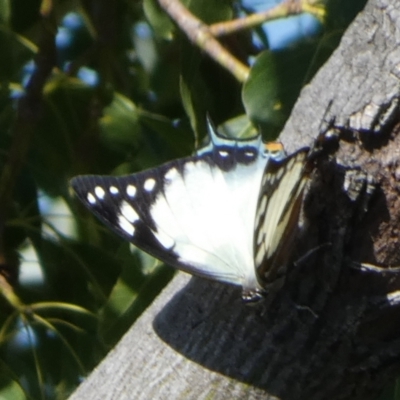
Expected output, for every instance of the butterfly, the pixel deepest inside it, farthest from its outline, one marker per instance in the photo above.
(228, 213)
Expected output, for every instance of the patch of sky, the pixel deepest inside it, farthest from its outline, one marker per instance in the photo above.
(16, 90)
(89, 76)
(72, 39)
(63, 37)
(282, 33)
(70, 24)
(57, 216)
(27, 71)
(73, 21)
(25, 337)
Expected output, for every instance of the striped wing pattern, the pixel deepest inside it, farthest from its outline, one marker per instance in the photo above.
(277, 217)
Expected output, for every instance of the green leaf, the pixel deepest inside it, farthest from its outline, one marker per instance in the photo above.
(90, 270)
(210, 11)
(10, 388)
(239, 127)
(261, 97)
(5, 12)
(119, 125)
(158, 19)
(177, 137)
(123, 294)
(131, 295)
(17, 50)
(67, 105)
(273, 86)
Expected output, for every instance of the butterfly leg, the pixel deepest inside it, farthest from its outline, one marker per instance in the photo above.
(365, 267)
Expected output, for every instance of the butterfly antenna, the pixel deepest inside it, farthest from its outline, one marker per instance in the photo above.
(311, 252)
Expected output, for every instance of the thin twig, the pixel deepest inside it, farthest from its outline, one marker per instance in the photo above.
(285, 9)
(199, 33)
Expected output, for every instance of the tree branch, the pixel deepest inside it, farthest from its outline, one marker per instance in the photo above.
(282, 10)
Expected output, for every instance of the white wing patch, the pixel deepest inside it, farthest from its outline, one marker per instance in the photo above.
(129, 212)
(210, 215)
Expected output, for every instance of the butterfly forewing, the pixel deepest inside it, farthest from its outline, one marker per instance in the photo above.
(228, 213)
(277, 216)
(196, 213)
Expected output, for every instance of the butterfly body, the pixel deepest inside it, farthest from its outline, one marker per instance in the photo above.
(199, 213)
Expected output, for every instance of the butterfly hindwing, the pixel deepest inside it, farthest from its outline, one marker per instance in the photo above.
(277, 216)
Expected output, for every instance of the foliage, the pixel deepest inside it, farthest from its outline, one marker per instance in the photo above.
(107, 88)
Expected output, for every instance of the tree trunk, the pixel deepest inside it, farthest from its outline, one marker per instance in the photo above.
(331, 332)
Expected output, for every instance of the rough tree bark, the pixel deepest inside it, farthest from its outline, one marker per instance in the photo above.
(332, 331)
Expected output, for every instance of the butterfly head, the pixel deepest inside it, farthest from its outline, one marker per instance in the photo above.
(248, 149)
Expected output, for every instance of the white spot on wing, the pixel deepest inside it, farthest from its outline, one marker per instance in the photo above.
(149, 184)
(131, 190)
(99, 191)
(113, 190)
(125, 225)
(129, 212)
(171, 174)
(223, 153)
(91, 199)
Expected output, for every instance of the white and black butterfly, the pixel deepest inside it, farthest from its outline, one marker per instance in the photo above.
(228, 213)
